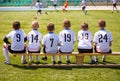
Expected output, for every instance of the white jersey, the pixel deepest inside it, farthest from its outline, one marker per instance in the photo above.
(38, 5)
(84, 3)
(17, 37)
(85, 39)
(54, 1)
(34, 38)
(51, 42)
(102, 38)
(67, 39)
(114, 1)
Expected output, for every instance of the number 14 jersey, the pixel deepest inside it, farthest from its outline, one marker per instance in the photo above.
(34, 38)
(102, 38)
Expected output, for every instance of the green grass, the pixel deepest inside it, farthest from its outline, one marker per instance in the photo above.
(17, 72)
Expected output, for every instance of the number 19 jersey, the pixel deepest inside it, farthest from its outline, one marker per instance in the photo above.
(102, 38)
(67, 38)
(34, 38)
(17, 37)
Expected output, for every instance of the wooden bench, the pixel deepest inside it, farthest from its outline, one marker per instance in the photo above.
(79, 60)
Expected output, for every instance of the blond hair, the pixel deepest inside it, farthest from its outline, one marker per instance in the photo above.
(84, 26)
(35, 24)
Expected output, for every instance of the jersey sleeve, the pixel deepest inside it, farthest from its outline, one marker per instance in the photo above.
(60, 36)
(43, 40)
(9, 35)
(40, 36)
(74, 37)
(90, 38)
(95, 38)
(110, 37)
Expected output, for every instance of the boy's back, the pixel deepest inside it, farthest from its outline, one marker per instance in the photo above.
(103, 38)
(85, 39)
(51, 42)
(17, 37)
(67, 39)
(34, 37)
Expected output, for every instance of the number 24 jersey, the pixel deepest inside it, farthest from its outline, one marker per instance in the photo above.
(103, 38)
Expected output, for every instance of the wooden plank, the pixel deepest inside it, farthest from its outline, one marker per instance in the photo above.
(73, 54)
(72, 65)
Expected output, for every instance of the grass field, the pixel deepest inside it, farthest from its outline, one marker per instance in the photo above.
(17, 72)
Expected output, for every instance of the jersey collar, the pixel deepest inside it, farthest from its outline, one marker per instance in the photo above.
(67, 28)
(35, 29)
(51, 32)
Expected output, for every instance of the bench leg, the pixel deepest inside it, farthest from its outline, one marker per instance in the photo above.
(79, 59)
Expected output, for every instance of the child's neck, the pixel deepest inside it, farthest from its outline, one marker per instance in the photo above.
(102, 28)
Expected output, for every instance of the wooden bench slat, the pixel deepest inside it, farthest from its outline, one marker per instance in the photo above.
(73, 65)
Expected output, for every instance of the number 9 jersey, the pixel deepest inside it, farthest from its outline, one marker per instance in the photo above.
(67, 38)
(102, 38)
(17, 37)
(34, 38)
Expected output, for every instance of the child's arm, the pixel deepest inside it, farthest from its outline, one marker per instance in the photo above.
(110, 43)
(25, 39)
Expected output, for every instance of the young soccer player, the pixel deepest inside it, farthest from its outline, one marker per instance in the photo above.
(39, 6)
(67, 39)
(85, 41)
(55, 4)
(84, 4)
(34, 38)
(102, 40)
(65, 6)
(114, 5)
(50, 42)
(17, 45)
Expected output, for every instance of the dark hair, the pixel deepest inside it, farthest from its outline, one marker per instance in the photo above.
(16, 25)
(50, 27)
(38, 1)
(66, 23)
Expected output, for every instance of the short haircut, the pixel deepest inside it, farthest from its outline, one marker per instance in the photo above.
(84, 25)
(35, 24)
(16, 25)
(50, 27)
(102, 23)
(66, 23)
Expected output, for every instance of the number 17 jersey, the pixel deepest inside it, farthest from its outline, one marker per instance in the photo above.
(34, 38)
(102, 38)
(67, 39)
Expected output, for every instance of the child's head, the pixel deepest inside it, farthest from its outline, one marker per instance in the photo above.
(35, 25)
(66, 23)
(16, 25)
(101, 24)
(84, 26)
(50, 27)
